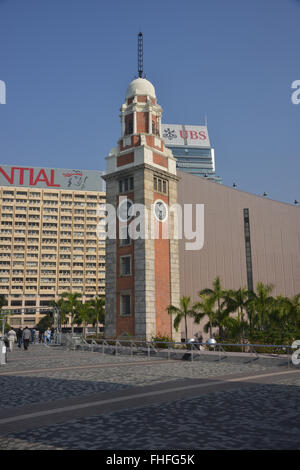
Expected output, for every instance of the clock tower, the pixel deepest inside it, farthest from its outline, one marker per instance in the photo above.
(142, 264)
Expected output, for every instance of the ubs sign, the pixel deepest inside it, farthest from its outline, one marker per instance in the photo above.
(56, 178)
(179, 135)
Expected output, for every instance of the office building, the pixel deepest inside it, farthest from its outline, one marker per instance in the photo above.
(48, 237)
(191, 147)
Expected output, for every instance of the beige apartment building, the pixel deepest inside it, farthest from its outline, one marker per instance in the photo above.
(48, 238)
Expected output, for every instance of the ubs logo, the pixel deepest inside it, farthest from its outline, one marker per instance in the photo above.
(168, 134)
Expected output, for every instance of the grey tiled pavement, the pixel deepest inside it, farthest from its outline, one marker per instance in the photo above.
(261, 416)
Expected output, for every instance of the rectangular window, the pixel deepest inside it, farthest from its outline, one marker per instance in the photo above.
(125, 239)
(159, 185)
(125, 304)
(125, 265)
(155, 184)
(131, 183)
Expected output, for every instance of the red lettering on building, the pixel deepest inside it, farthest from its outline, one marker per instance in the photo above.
(21, 178)
(52, 174)
(9, 179)
(31, 175)
(183, 136)
(41, 177)
(193, 133)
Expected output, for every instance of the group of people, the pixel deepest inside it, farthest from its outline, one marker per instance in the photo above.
(26, 336)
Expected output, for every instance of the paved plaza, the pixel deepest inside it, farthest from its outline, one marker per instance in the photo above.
(52, 398)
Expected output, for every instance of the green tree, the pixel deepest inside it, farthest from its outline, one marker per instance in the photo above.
(70, 304)
(293, 306)
(83, 315)
(262, 304)
(182, 312)
(206, 308)
(98, 312)
(216, 294)
(236, 301)
(45, 323)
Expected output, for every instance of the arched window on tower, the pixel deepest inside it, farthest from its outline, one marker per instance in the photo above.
(155, 129)
(129, 124)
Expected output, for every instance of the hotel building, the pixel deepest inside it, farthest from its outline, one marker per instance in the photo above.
(48, 238)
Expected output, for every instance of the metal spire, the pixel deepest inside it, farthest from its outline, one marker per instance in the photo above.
(140, 55)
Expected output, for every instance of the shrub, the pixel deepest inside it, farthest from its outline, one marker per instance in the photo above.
(161, 340)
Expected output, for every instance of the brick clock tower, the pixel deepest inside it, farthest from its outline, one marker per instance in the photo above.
(142, 272)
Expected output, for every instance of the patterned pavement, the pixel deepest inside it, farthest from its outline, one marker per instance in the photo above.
(258, 416)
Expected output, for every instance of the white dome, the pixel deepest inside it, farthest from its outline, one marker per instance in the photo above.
(140, 86)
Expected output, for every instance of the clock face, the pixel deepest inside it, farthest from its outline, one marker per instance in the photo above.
(160, 210)
(123, 210)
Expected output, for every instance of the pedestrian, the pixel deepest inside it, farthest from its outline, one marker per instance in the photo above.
(12, 338)
(48, 336)
(26, 337)
(20, 337)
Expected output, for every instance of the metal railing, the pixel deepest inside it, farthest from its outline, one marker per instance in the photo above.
(171, 350)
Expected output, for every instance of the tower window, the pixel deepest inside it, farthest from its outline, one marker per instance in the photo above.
(125, 239)
(129, 124)
(125, 302)
(127, 184)
(125, 265)
(160, 185)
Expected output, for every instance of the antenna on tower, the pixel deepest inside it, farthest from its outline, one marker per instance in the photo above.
(140, 55)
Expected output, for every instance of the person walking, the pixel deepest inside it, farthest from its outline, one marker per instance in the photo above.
(20, 337)
(12, 337)
(26, 337)
(48, 336)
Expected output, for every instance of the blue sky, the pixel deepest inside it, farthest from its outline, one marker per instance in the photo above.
(67, 65)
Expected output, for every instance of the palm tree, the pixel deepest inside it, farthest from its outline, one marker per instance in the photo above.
(237, 301)
(98, 313)
(70, 304)
(83, 315)
(217, 295)
(184, 311)
(206, 308)
(294, 309)
(262, 303)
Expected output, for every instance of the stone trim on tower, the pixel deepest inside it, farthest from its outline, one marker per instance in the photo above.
(153, 282)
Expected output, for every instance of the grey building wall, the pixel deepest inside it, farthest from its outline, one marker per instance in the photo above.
(275, 240)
